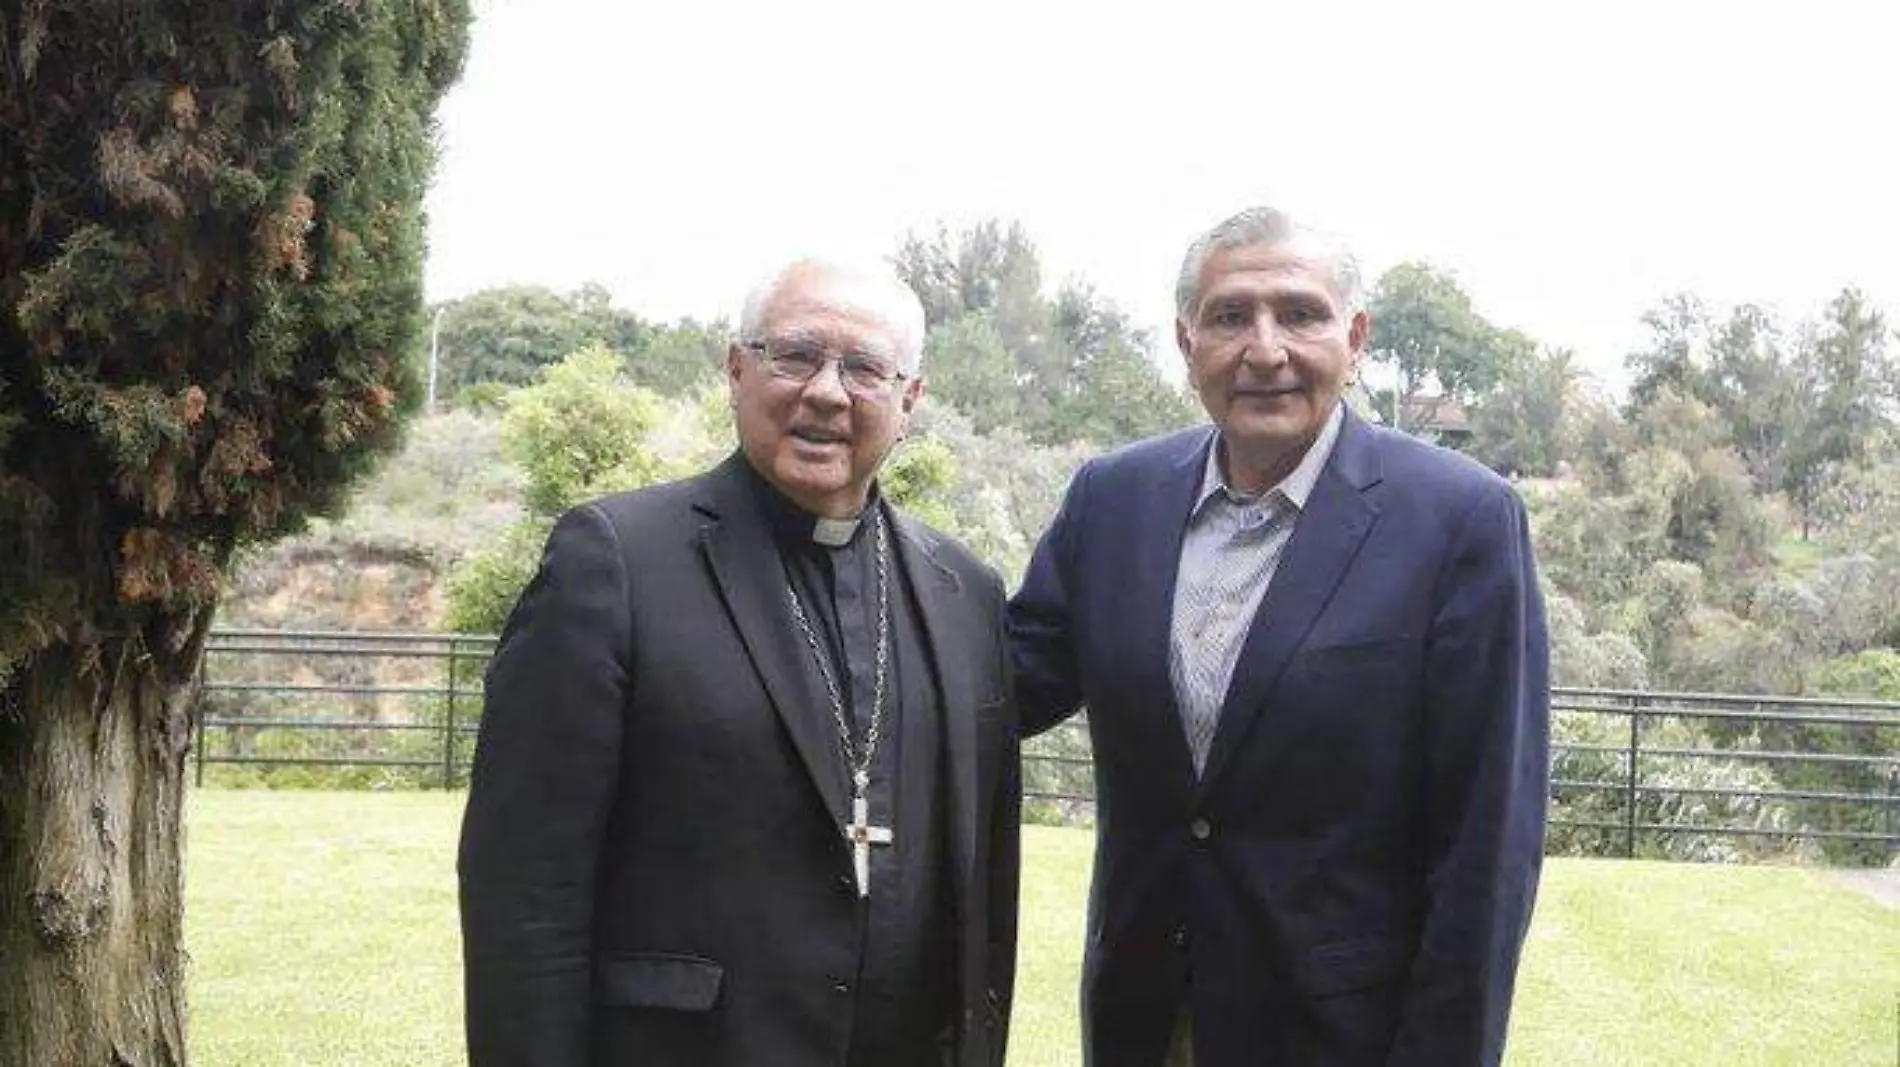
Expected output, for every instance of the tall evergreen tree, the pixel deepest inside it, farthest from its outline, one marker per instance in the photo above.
(210, 296)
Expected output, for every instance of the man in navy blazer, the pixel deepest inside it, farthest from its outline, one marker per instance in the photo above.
(1314, 661)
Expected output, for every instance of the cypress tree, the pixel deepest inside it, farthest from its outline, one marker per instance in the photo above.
(211, 237)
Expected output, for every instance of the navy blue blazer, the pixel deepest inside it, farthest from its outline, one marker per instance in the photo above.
(1350, 881)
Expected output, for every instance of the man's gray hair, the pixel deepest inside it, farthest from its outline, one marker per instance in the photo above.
(878, 289)
(1270, 227)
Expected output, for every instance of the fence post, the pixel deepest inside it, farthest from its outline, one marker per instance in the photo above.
(1893, 815)
(1630, 777)
(448, 730)
(198, 709)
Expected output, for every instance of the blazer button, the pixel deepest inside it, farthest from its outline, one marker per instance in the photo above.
(1201, 829)
(1179, 937)
(839, 985)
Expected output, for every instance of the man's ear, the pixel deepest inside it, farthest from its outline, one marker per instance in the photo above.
(735, 366)
(1184, 340)
(1358, 333)
(913, 394)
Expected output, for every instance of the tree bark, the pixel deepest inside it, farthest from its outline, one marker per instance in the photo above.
(92, 771)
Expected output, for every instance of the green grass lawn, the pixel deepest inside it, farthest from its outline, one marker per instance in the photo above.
(322, 931)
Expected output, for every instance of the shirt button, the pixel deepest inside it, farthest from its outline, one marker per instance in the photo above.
(1201, 829)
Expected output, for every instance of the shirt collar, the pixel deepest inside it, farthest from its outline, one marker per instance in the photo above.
(1296, 487)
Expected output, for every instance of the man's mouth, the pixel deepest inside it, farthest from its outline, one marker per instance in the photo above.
(818, 435)
(1267, 392)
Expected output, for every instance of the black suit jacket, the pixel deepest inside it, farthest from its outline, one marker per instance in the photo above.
(1349, 881)
(652, 867)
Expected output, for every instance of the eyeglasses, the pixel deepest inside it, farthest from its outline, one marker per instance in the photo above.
(800, 361)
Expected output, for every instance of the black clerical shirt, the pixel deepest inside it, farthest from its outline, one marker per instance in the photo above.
(901, 1002)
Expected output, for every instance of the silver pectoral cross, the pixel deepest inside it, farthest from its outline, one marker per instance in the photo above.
(862, 836)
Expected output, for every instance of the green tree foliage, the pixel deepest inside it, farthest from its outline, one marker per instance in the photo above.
(969, 367)
(1671, 362)
(506, 335)
(1860, 597)
(1659, 613)
(581, 432)
(1750, 381)
(1532, 421)
(1606, 659)
(1004, 489)
(483, 588)
(1681, 515)
(1684, 474)
(1797, 414)
(1845, 390)
(1870, 674)
(1101, 387)
(446, 492)
(1676, 498)
(1424, 327)
(918, 476)
(678, 357)
(1069, 369)
(984, 269)
(1586, 543)
(1859, 508)
(1603, 445)
(210, 251)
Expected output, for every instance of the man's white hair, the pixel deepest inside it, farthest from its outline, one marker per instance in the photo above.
(1270, 227)
(875, 287)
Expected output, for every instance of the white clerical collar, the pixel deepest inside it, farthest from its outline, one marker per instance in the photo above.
(792, 526)
(833, 533)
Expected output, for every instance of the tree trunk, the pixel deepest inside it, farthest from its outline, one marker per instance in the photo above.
(92, 765)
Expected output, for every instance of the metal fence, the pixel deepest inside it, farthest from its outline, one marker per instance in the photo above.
(1634, 773)
(399, 709)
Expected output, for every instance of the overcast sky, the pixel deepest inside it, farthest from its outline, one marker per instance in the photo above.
(1569, 167)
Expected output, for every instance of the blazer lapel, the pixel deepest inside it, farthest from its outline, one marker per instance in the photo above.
(745, 566)
(1325, 540)
(1166, 500)
(940, 616)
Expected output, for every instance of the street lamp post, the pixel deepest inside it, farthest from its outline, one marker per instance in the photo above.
(435, 330)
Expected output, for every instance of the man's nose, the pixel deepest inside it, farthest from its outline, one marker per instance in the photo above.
(827, 386)
(1265, 346)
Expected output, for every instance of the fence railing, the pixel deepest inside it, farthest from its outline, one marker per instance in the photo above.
(402, 706)
(1634, 773)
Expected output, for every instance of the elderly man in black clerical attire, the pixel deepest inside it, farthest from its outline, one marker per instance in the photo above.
(746, 791)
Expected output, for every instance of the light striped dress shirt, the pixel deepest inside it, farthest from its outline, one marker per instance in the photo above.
(1228, 558)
